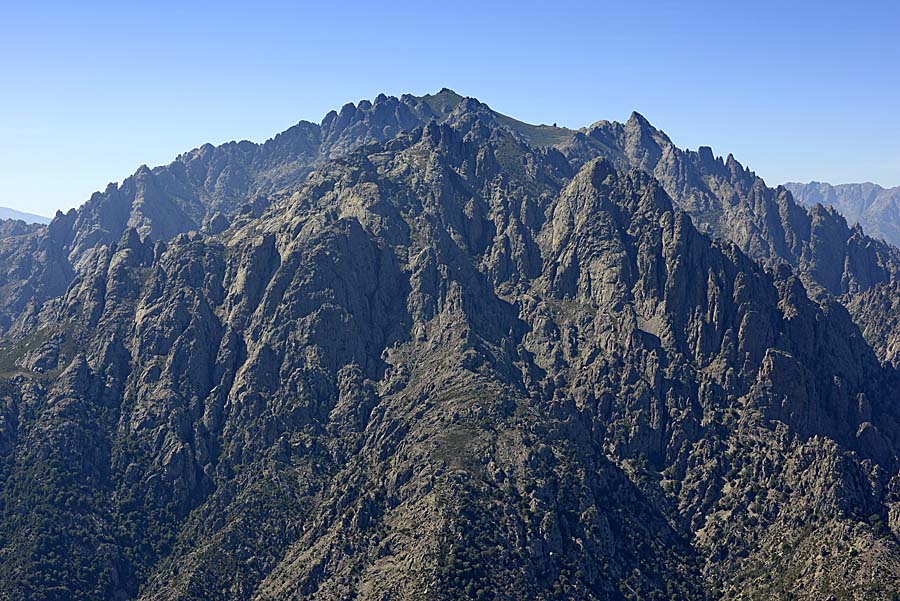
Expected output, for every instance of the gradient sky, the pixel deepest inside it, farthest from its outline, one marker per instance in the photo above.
(90, 91)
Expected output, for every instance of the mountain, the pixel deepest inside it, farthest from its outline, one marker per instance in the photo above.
(729, 201)
(423, 350)
(20, 216)
(875, 208)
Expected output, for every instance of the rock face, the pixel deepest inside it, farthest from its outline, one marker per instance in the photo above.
(875, 208)
(423, 350)
(729, 201)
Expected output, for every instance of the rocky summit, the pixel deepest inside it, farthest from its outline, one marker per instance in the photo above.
(876, 208)
(423, 350)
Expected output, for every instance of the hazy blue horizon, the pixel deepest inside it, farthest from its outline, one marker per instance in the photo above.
(798, 93)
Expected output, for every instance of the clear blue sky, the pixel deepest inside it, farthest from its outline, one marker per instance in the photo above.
(796, 90)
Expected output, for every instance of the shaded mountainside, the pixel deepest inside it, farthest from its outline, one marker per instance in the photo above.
(426, 351)
(875, 208)
(729, 201)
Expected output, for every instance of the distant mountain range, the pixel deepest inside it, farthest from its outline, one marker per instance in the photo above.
(422, 350)
(875, 208)
(6, 213)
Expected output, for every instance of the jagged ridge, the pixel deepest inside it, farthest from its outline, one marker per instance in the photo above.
(447, 362)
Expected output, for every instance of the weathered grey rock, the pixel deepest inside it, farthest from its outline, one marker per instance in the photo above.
(445, 360)
(874, 208)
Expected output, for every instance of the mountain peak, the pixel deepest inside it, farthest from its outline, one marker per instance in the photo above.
(638, 124)
(874, 207)
(488, 353)
(441, 103)
(638, 119)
